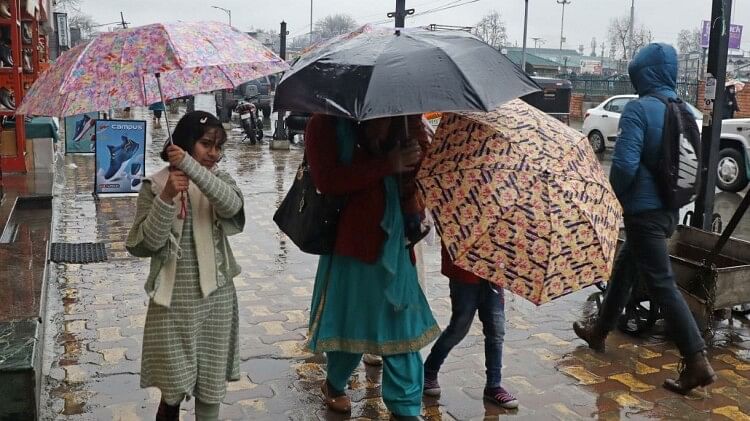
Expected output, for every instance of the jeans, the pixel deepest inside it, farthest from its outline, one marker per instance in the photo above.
(466, 299)
(644, 255)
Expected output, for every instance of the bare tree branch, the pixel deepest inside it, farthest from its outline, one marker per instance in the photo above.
(68, 5)
(689, 40)
(491, 29)
(618, 35)
(332, 25)
(85, 23)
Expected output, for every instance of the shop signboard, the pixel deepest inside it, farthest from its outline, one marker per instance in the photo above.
(80, 132)
(120, 156)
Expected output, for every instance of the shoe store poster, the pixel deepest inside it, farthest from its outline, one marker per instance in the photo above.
(80, 133)
(120, 156)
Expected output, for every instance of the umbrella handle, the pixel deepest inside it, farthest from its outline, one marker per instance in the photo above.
(183, 206)
(183, 199)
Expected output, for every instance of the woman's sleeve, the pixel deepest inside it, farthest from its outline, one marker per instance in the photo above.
(222, 192)
(328, 174)
(153, 221)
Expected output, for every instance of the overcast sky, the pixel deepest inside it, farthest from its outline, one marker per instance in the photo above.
(584, 19)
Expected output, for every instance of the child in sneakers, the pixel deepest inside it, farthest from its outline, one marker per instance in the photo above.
(469, 294)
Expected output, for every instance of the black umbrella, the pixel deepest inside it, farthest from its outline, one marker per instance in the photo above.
(378, 72)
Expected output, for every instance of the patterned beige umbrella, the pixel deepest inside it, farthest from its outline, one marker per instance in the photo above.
(520, 199)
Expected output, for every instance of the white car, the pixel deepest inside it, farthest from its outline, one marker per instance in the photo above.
(733, 170)
(601, 122)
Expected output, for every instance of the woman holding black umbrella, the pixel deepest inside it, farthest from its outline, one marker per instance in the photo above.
(367, 298)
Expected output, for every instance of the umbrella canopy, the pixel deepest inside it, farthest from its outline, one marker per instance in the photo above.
(117, 69)
(378, 72)
(738, 86)
(520, 199)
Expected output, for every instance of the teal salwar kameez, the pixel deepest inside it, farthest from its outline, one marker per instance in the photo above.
(372, 308)
(377, 309)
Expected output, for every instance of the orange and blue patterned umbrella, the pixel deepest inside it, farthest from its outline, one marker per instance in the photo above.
(520, 199)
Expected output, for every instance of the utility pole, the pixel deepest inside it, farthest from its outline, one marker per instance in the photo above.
(280, 139)
(525, 27)
(122, 21)
(400, 13)
(227, 11)
(718, 49)
(632, 28)
(562, 26)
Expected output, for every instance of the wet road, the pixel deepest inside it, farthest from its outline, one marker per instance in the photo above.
(96, 313)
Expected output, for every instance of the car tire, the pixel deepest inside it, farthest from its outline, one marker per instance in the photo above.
(731, 173)
(596, 139)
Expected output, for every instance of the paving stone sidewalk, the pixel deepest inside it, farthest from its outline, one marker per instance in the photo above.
(97, 311)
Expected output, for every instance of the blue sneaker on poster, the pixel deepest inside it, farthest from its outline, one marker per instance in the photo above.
(82, 127)
(119, 155)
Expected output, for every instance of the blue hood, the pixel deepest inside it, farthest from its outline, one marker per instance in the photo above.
(654, 69)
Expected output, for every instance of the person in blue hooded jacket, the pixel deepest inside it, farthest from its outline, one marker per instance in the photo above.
(648, 222)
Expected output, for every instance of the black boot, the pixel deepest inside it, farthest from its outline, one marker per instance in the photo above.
(168, 412)
(6, 54)
(6, 98)
(591, 332)
(695, 371)
(26, 33)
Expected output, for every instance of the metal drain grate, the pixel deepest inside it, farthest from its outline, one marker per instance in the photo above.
(78, 252)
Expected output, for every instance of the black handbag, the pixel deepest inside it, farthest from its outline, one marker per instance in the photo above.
(309, 218)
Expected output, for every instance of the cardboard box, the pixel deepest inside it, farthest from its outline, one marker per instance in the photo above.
(8, 145)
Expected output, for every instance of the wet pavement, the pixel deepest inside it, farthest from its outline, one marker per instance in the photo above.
(97, 311)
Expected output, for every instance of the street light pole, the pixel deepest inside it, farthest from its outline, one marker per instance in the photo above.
(525, 27)
(225, 115)
(562, 25)
(227, 11)
(632, 28)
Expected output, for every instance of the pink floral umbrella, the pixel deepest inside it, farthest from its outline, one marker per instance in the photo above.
(124, 68)
(147, 64)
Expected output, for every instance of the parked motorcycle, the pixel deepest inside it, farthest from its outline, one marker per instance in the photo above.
(250, 120)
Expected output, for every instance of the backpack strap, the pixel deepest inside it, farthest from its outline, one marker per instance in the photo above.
(661, 98)
(664, 100)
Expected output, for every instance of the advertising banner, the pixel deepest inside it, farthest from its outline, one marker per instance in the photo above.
(63, 31)
(591, 67)
(735, 35)
(120, 156)
(80, 133)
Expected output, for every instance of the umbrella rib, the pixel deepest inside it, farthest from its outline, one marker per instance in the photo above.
(587, 218)
(549, 250)
(69, 73)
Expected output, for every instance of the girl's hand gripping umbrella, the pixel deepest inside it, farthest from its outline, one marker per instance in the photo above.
(175, 154)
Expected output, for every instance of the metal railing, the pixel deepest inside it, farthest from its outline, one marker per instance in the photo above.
(599, 88)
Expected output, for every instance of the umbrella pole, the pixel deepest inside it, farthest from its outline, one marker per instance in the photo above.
(166, 114)
(183, 199)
